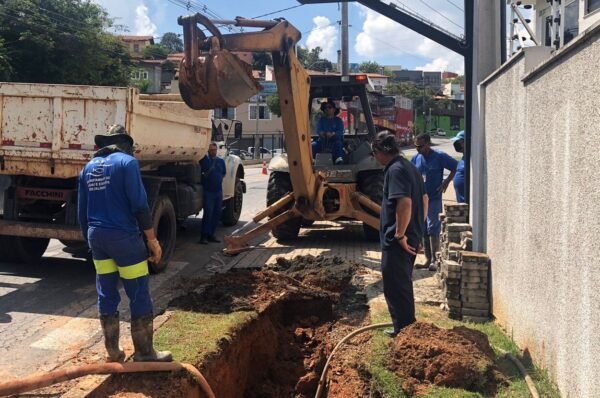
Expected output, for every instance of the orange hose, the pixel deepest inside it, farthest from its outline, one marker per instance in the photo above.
(47, 379)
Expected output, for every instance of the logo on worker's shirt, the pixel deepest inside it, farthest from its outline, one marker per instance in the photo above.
(99, 177)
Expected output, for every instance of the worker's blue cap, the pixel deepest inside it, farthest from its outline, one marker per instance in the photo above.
(459, 136)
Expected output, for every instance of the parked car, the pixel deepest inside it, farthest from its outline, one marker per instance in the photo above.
(239, 152)
(438, 132)
(277, 151)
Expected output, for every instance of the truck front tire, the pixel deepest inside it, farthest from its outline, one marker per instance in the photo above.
(279, 185)
(165, 227)
(23, 250)
(233, 206)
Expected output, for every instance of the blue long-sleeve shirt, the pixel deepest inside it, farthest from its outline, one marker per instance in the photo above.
(432, 168)
(213, 172)
(111, 194)
(328, 125)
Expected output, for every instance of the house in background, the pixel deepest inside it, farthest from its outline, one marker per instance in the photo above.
(148, 75)
(137, 44)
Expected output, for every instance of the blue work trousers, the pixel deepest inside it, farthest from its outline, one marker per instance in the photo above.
(213, 207)
(120, 255)
(396, 271)
(332, 145)
(434, 225)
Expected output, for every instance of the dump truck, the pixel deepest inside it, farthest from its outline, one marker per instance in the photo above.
(47, 136)
(300, 191)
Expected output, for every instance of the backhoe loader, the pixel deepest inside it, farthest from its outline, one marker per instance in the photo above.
(301, 189)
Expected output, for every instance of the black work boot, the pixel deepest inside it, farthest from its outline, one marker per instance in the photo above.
(110, 328)
(142, 335)
(435, 247)
(203, 240)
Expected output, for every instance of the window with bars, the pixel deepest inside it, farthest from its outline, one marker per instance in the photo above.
(224, 113)
(139, 75)
(263, 112)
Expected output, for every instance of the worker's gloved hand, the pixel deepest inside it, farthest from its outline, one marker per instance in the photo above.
(155, 251)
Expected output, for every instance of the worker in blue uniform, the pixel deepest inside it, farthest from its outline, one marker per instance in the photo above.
(112, 209)
(459, 178)
(431, 163)
(330, 130)
(213, 172)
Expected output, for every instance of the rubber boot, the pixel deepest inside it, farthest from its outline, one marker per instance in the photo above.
(435, 247)
(427, 247)
(110, 328)
(142, 335)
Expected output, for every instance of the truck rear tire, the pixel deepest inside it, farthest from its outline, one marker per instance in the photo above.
(279, 185)
(24, 250)
(371, 184)
(165, 226)
(233, 206)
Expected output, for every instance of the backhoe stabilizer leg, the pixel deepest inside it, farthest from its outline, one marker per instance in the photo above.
(235, 244)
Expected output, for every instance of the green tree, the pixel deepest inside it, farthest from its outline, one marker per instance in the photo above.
(171, 42)
(5, 68)
(260, 60)
(61, 41)
(370, 67)
(458, 79)
(312, 59)
(273, 104)
(155, 51)
(422, 97)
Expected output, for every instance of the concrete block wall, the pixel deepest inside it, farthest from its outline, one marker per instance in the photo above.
(541, 132)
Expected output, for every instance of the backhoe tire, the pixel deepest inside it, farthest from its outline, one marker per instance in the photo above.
(233, 206)
(165, 227)
(307, 223)
(28, 250)
(279, 185)
(370, 183)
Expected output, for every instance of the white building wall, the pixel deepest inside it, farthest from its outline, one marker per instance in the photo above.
(542, 210)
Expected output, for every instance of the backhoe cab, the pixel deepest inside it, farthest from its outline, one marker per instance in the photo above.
(299, 192)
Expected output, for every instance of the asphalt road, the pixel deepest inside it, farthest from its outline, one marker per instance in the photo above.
(48, 315)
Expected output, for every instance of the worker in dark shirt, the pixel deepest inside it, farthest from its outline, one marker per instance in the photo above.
(112, 210)
(330, 130)
(402, 219)
(431, 163)
(459, 178)
(213, 172)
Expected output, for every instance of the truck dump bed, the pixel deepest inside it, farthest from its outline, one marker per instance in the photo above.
(47, 130)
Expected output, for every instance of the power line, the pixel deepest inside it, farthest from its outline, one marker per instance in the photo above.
(278, 11)
(455, 5)
(443, 16)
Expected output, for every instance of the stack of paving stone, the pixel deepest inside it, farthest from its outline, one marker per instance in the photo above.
(463, 274)
(474, 286)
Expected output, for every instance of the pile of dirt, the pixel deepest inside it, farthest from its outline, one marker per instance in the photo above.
(423, 354)
(328, 273)
(241, 290)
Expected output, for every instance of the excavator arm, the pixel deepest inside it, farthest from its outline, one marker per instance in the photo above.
(211, 75)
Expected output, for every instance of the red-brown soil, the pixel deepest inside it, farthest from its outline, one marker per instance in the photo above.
(423, 354)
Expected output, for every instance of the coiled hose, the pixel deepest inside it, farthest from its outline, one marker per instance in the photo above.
(528, 380)
(47, 379)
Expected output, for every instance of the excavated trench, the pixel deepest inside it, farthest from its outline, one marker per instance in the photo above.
(281, 351)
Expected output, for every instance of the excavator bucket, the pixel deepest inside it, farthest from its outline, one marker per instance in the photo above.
(209, 76)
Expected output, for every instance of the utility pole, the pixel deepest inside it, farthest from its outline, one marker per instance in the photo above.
(345, 41)
(257, 153)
